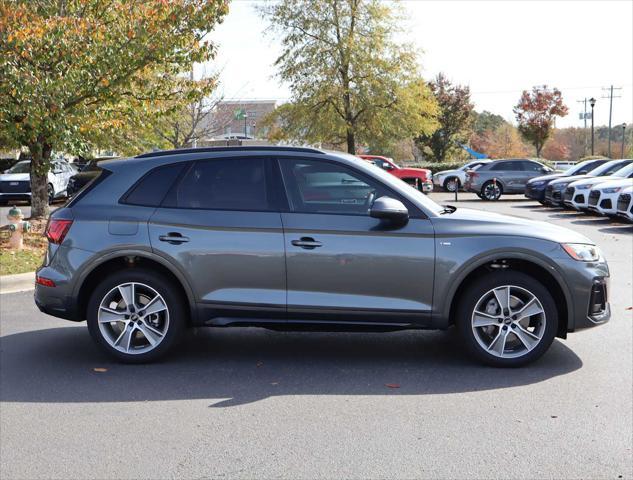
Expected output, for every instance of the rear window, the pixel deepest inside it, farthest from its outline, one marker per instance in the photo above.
(152, 188)
(222, 184)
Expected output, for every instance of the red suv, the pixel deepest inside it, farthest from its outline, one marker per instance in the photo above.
(420, 178)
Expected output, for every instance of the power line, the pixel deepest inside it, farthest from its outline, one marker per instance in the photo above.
(610, 97)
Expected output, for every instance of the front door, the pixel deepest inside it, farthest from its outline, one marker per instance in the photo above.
(342, 264)
(219, 224)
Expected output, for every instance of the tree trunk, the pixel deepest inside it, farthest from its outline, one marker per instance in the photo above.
(41, 154)
(539, 147)
(351, 141)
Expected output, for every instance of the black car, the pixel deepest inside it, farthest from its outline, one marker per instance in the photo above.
(535, 188)
(89, 171)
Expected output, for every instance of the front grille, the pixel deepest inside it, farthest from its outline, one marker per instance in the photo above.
(556, 195)
(598, 299)
(594, 196)
(15, 187)
(569, 194)
(623, 201)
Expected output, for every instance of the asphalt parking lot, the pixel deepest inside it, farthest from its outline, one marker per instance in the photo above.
(249, 403)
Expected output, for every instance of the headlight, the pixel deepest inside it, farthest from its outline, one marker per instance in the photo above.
(612, 190)
(582, 252)
(584, 187)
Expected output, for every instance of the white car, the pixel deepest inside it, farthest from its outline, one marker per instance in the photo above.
(625, 204)
(577, 193)
(603, 197)
(451, 180)
(15, 183)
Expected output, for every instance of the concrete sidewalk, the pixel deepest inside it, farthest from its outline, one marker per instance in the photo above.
(21, 282)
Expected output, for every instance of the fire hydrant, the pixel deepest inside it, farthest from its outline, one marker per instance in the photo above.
(18, 227)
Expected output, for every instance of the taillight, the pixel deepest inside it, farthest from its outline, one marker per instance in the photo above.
(57, 230)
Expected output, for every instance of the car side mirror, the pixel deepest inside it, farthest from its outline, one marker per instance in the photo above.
(390, 209)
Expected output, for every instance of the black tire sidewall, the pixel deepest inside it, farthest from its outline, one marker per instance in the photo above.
(448, 180)
(175, 304)
(473, 292)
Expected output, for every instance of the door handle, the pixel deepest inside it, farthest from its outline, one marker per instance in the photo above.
(174, 238)
(306, 242)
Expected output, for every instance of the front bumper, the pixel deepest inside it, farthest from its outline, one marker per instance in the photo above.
(535, 193)
(553, 197)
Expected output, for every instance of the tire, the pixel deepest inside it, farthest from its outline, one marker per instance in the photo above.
(451, 184)
(484, 340)
(491, 191)
(51, 193)
(163, 327)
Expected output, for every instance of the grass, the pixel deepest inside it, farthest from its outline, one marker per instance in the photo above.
(26, 260)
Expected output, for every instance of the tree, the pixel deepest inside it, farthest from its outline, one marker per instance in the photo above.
(485, 120)
(73, 69)
(504, 142)
(351, 82)
(536, 114)
(455, 119)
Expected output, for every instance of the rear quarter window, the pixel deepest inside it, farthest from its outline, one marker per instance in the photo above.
(150, 190)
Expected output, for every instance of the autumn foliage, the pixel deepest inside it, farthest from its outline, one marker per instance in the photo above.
(536, 114)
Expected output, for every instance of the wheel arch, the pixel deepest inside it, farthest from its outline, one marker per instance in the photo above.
(116, 261)
(538, 268)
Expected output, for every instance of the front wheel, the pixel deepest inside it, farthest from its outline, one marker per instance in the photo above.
(136, 315)
(507, 319)
(451, 184)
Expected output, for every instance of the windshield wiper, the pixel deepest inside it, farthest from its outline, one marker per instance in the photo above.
(447, 209)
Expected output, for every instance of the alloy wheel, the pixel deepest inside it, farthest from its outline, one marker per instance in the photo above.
(492, 191)
(508, 321)
(452, 185)
(133, 318)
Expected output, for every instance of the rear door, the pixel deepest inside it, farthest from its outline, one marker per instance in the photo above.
(220, 224)
(344, 266)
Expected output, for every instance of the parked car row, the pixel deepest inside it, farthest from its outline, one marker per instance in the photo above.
(594, 186)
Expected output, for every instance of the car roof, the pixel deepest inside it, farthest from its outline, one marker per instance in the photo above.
(249, 148)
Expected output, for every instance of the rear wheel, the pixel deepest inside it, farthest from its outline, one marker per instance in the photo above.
(507, 319)
(491, 191)
(51, 193)
(136, 315)
(451, 184)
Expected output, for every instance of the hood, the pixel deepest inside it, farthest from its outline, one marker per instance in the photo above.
(413, 169)
(15, 177)
(477, 222)
(593, 180)
(444, 172)
(542, 178)
(616, 182)
(574, 178)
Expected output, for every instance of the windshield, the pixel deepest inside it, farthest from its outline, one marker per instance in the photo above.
(624, 172)
(576, 168)
(607, 168)
(21, 167)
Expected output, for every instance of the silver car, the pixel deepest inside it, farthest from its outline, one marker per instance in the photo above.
(297, 238)
(508, 176)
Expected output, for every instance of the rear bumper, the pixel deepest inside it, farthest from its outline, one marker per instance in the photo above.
(15, 196)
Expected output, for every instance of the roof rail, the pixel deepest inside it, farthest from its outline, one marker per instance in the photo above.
(180, 151)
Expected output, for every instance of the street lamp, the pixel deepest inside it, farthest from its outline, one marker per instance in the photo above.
(622, 151)
(592, 102)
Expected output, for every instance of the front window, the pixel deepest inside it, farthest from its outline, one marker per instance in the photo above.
(624, 172)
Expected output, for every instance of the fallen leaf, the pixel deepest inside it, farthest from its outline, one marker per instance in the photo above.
(100, 370)
(392, 385)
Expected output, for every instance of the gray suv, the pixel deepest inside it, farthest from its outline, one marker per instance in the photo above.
(297, 238)
(510, 176)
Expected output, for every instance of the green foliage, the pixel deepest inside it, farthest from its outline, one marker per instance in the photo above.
(486, 121)
(439, 166)
(455, 119)
(351, 82)
(76, 73)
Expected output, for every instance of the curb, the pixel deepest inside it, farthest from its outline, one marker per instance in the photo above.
(22, 282)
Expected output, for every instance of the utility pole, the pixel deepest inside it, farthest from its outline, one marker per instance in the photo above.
(610, 97)
(584, 117)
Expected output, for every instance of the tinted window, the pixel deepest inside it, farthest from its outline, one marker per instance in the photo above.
(507, 166)
(222, 184)
(323, 187)
(614, 168)
(151, 189)
(532, 166)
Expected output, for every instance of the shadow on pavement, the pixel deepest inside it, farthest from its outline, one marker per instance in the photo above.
(238, 366)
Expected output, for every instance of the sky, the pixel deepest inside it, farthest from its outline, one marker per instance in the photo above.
(497, 48)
